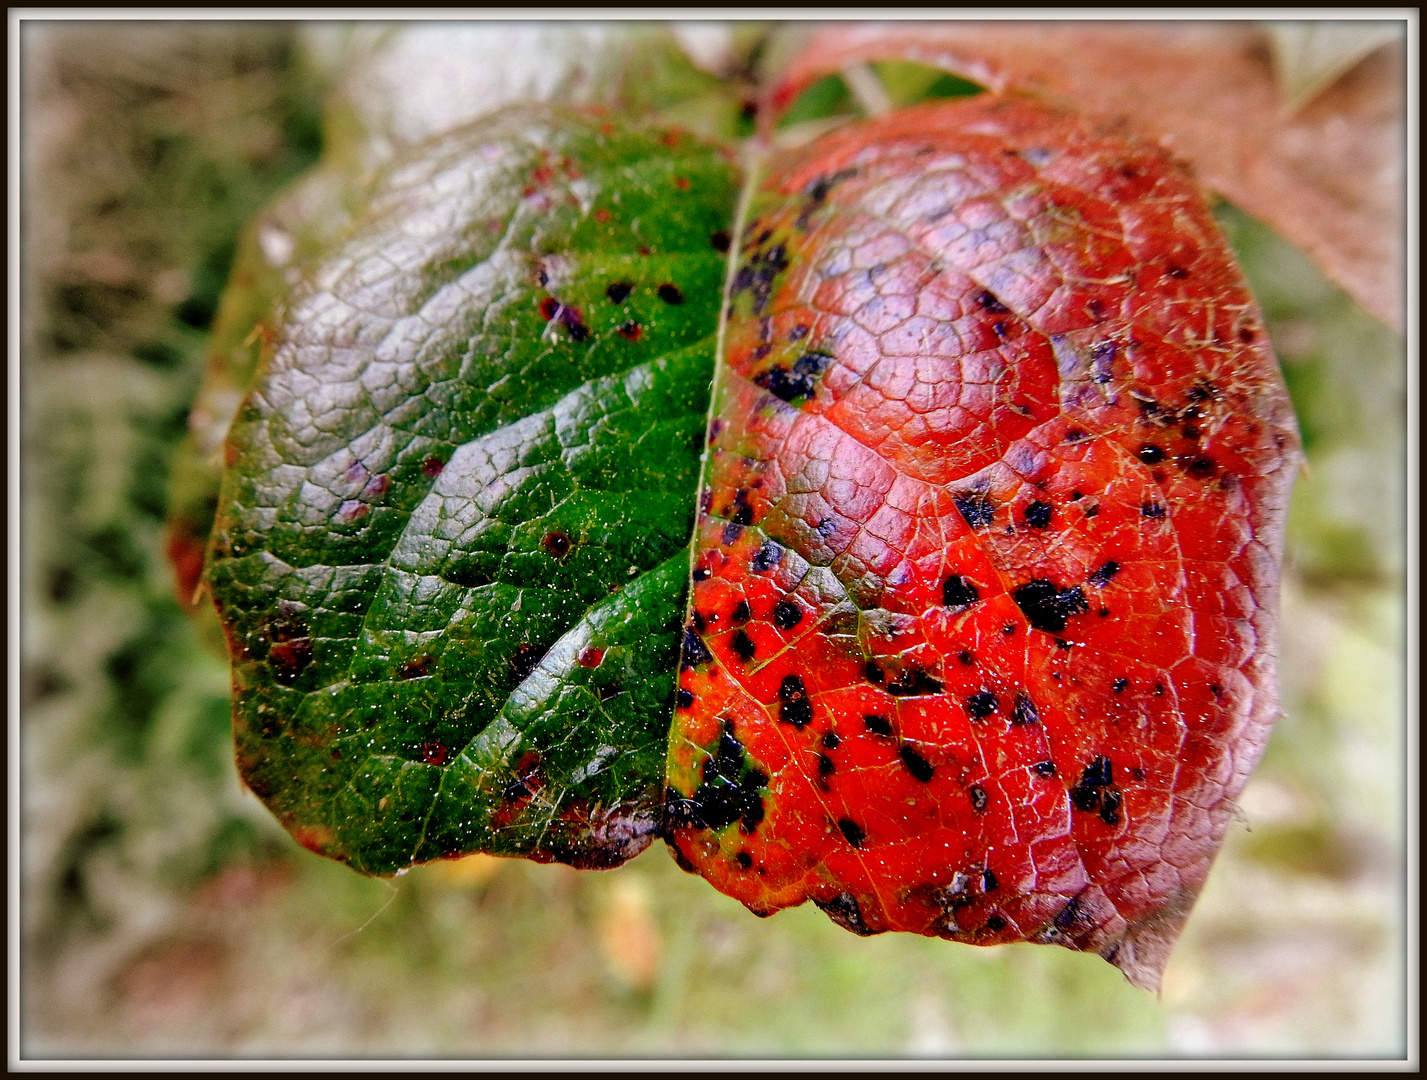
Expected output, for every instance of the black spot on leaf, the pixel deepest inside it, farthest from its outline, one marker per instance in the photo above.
(1048, 607)
(786, 615)
(976, 509)
(1023, 709)
(878, 725)
(981, 705)
(1101, 577)
(843, 910)
(914, 682)
(525, 659)
(852, 832)
(695, 653)
(742, 646)
(794, 707)
(1038, 514)
(957, 592)
(917, 765)
(766, 557)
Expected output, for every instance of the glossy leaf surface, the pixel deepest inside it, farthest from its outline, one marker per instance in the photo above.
(982, 622)
(450, 551)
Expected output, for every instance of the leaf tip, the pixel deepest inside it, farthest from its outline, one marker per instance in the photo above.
(1143, 951)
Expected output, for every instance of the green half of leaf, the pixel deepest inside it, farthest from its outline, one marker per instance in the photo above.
(450, 553)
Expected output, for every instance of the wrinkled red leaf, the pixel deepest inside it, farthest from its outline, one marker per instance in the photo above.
(982, 628)
(1328, 177)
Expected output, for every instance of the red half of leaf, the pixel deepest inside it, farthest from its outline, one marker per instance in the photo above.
(983, 607)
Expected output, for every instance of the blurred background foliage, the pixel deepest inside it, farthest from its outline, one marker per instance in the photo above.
(164, 912)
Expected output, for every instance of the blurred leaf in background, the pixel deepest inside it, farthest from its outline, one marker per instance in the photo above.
(164, 911)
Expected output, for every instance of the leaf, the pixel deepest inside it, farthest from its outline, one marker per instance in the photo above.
(450, 550)
(981, 629)
(980, 638)
(1328, 177)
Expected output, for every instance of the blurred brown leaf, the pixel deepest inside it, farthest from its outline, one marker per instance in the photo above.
(1328, 177)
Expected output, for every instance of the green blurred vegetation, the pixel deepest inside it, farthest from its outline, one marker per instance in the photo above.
(165, 912)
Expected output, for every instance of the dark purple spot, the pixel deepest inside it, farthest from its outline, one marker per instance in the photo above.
(618, 292)
(418, 668)
(1023, 709)
(525, 659)
(917, 765)
(719, 240)
(989, 302)
(976, 509)
(1101, 577)
(978, 797)
(981, 705)
(878, 725)
(852, 831)
(695, 652)
(742, 645)
(766, 557)
(1110, 801)
(1201, 468)
(683, 699)
(957, 592)
(872, 672)
(670, 294)
(741, 612)
(795, 708)
(1048, 607)
(1151, 510)
(557, 543)
(1151, 454)
(914, 682)
(1038, 514)
(786, 615)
